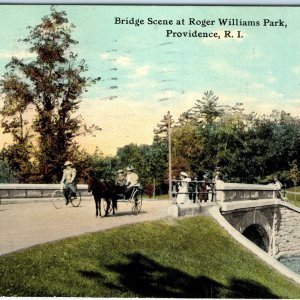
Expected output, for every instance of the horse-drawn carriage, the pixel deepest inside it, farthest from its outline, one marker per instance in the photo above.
(110, 193)
(134, 200)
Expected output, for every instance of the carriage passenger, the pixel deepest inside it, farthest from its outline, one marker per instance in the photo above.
(120, 182)
(132, 181)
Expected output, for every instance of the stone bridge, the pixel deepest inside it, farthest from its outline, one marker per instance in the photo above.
(257, 213)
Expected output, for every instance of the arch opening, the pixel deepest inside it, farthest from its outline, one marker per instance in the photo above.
(257, 235)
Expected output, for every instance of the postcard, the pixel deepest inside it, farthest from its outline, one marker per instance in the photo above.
(162, 101)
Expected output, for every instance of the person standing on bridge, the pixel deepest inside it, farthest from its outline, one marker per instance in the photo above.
(69, 187)
(278, 186)
(183, 195)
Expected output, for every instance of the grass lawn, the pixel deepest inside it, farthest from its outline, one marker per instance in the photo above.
(294, 189)
(293, 198)
(161, 197)
(190, 257)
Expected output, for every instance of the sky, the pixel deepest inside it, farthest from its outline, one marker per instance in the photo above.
(145, 73)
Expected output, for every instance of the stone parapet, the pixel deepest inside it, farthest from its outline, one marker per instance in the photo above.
(226, 192)
(28, 191)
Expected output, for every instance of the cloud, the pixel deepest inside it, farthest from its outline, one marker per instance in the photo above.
(124, 61)
(104, 55)
(296, 70)
(142, 71)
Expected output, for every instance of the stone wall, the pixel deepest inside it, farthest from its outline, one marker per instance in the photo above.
(226, 192)
(287, 233)
(27, 191)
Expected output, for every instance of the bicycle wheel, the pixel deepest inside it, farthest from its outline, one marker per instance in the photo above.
(58, 199)
(137, 204)
(76, 200)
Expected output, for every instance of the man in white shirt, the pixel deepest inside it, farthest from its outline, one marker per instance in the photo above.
(132, 181)
(68, 181)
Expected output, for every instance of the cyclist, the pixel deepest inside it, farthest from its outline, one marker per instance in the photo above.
(69, 187)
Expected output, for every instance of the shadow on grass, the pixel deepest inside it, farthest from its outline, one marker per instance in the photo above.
(143, 277)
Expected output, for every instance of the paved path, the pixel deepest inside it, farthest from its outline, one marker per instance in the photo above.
(28, 224)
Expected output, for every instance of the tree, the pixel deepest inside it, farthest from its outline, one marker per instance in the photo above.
(187, 149)
(17, 98)
(53, 81)
(207, 110)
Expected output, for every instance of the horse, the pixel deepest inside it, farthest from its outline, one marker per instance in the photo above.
(102, 189)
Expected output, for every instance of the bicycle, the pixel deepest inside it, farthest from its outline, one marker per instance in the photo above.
(59, 200)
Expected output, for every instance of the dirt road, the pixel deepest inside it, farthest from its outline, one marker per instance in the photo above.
(28, 224)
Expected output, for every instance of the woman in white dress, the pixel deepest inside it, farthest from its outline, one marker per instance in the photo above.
(183, 195)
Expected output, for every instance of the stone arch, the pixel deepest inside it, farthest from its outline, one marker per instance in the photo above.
(256, 227)
(257, 235)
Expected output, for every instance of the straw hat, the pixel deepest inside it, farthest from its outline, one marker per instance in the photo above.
(67, 163)
(183, 174)
(128, 169)
(120, 171)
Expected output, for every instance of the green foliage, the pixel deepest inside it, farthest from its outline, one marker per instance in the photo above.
(207, 110)
(149, 161)
(188, 258)
(52, 83)
(6, 174)
(244, 147)
(294, 172)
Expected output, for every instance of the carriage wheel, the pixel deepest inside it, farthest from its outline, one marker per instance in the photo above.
(76, 201)
(58, 199)
(107, 206)
(137, 205)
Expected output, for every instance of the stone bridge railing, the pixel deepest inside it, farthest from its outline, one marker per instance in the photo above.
(33, 191)
(241, 195)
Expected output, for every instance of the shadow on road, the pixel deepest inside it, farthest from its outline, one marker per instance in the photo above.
(125, 213)
(143, 277)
